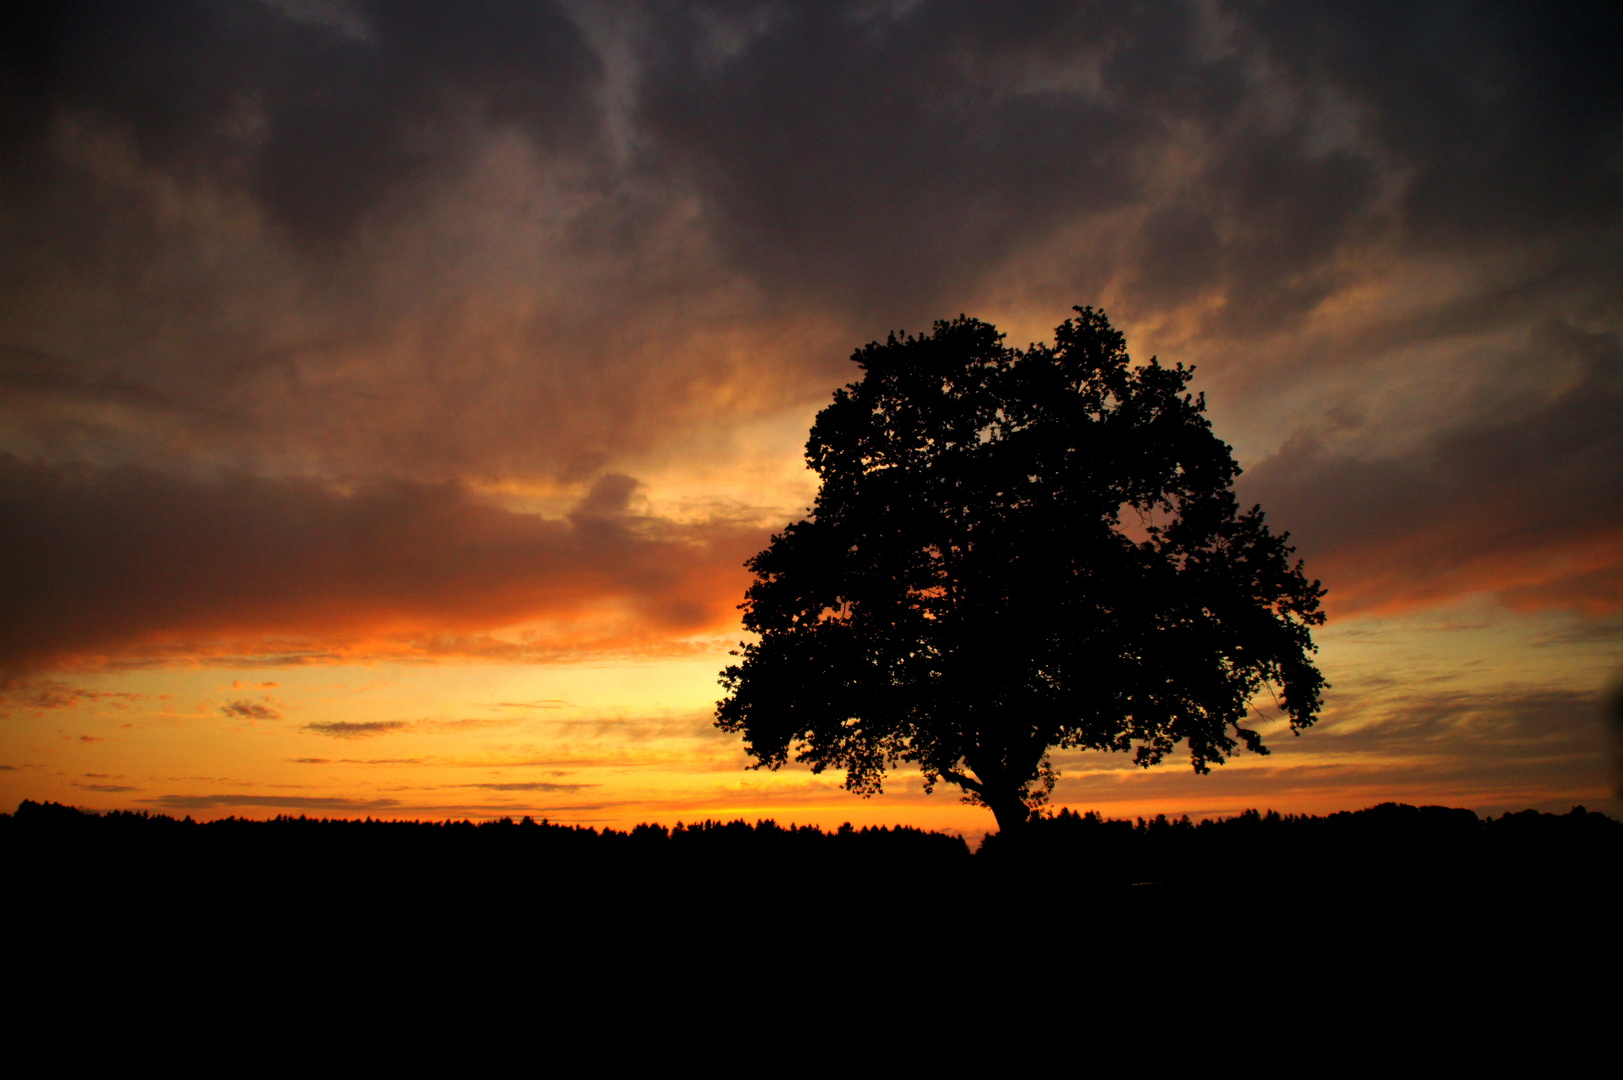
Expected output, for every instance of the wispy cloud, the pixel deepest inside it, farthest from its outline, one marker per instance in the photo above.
(356, 729)
(531, 786)
(48, 694)
(356, 761)
(1468, 510)
(281, 802)
(249, 710)
(469, 723)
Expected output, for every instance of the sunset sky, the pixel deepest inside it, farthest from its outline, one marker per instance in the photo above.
(390, 393)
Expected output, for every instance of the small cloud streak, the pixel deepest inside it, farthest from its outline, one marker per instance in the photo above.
(356, 729)
(48, 694)
(249, 710)
(277, 802)
(532, 786)
(356, 761)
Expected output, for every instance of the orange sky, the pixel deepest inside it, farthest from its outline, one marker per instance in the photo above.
(388, 438)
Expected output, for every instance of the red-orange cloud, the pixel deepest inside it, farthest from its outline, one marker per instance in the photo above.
(119, 563)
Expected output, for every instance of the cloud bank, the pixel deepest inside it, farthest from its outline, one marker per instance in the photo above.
(304, 306)
(114, 562)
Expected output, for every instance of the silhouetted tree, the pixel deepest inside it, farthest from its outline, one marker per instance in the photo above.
(1013, 550)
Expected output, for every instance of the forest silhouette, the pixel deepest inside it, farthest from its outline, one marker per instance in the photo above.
(1382, 847)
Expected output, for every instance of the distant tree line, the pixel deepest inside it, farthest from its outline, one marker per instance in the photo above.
(1393, 844)
(1387, 844)
(51, 830)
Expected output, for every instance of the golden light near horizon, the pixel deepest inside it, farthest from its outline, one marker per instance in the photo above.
(390, 440)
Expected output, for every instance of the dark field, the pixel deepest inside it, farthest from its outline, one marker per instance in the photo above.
(1396, 897)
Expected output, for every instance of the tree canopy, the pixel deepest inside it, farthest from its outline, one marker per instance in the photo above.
(1011, 551)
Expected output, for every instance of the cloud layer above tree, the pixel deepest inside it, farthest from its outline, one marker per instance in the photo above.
(291, 292)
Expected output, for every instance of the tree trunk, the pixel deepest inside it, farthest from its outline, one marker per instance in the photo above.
(1013, 817)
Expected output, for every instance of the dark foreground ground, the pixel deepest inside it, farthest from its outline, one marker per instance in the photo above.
(1419, 922)
(1417, 902)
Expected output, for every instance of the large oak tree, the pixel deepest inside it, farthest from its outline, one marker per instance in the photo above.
(1015, 550)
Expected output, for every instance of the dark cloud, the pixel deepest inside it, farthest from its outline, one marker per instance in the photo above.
(867, 157)
(319, 121)
(1526, 503)
(1505, 113)
(883, 159)
(168, 172)
(119, 559)
(356, 729)
(106, 788)
(888, 157)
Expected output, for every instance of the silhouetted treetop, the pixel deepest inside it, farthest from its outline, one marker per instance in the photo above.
(1013, 550)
